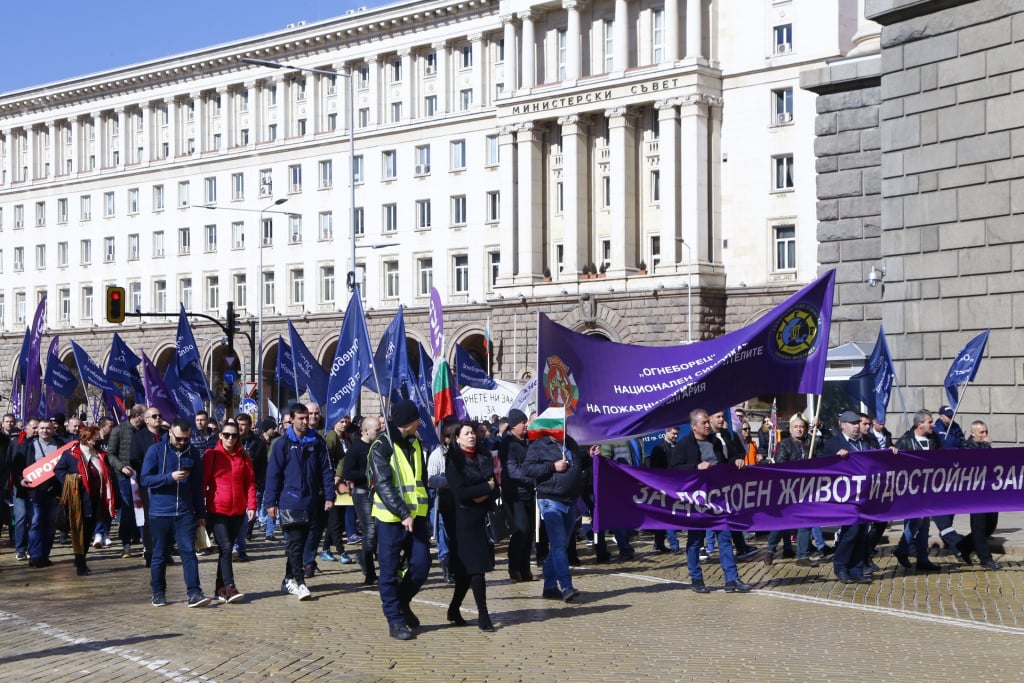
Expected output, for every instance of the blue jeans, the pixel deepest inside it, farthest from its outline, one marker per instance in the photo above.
(694, 538)
(182, 530)
(803, 542)
(42, 516)
(819, 538)
(560, 520)
(441, 534)
(915, 531)
(395, 593)
(20, 525)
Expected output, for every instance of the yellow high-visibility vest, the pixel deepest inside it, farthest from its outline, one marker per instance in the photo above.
(408, 480)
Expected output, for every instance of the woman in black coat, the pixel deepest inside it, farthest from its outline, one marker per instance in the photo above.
(470, 475)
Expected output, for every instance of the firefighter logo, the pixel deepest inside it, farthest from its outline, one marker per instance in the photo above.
(560, 386)
(797, 333)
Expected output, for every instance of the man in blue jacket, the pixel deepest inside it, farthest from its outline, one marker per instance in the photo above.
(300, 483)
(173, 473)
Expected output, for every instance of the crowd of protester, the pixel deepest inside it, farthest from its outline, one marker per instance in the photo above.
(370, 483)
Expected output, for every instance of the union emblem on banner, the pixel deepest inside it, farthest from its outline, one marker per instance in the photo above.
(560, 386)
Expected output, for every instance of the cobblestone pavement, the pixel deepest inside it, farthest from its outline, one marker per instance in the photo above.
(636, 620)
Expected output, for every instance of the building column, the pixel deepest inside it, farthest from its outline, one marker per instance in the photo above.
(694, 30)
(200, 123)
(255, 112)
(76, 144)
(620, 41)
(149, 141)
(56, 144)
(124, 138)
(373, 90)
(671, 31)
(530, 207)
(576, 192)
(714, 231)
(511, 54)
(227, 117)
(622, 146)
(668, 166)
(408, 78)
(476, 42)
(572, 39)
(694, 180)
(31, 139)
(172, 128)
(529, 49)
(510, 209)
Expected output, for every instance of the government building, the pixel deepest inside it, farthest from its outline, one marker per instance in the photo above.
(642, 170)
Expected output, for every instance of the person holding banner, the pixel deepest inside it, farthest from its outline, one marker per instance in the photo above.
(797, 447)
(848, 562)
(119, 455)
(517, 490)
(92, 500)
(982, 523)
(919, 438)
(701, 450)
(949, 432)
(22, 494)
(42, 502)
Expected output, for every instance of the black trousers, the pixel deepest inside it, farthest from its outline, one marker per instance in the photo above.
(524, 517)
(983, 524)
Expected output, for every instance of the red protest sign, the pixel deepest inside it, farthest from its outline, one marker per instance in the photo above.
(42, 470)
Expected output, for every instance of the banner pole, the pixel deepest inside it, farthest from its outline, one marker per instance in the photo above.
(813, 425)
(899, 392)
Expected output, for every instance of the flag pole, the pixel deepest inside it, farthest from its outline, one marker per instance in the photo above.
(899, 392)
(814, 424)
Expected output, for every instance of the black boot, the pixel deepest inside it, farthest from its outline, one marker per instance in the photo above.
(480, 597)
(366, 559)
(461, 588)
(80, 565)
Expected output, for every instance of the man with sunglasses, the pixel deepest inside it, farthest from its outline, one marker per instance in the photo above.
(173, 473)
(142, 441)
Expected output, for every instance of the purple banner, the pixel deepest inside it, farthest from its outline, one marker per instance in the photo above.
(157, 394)
(868, 486)
(34, 372)
(436, 324)
(612, 390)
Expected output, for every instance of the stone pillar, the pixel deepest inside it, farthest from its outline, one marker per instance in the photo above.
(101, 141)
(694, 180)
(373, 90)
(511, 54)
(694, 30)
(199, 123)
(76, 145)
(529, 145)
(620, 60)
(441, 57)
(476, 42)
(622, 146)
(408, 78)
(255, 111)
(227, 117)
(172, 128)
(529, 49)
(572, 39)
(149, 140)
(668, 165)
(56, 144)
(509, 199)
(576, 192)
(671, 32)
(867, 39)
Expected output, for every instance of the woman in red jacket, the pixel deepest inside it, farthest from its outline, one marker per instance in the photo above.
(230, 500)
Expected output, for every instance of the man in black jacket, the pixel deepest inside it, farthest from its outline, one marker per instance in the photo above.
(920, 438)
(517, 491)
(557, 470)
(849, 559)
(982, 523)
(700, 450)
(658, 460)
(119, 454)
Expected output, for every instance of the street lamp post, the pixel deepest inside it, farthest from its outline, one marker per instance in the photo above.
(351, 146)
(689, 290)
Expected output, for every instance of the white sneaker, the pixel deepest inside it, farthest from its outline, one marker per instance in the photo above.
(106, 541)
(303, 592)
(292, 587)
(97, 541)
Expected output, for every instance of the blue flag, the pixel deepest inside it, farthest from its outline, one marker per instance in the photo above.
(115, 407)
(23, 356)
(186, 400)
(91, 373)
(156, 393)
(965, 367)
(33, 398)
(352, 364)
(138, 387)
(121, 362)
(423, 396)
(469, 373)
(284, 369)
(308, 372)
(189, 368)
(391, 360)
(59, 378)
(872, 386)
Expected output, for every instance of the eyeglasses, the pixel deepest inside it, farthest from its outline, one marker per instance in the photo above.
(229, 435)
(745, 429)
(153, 417)
(178, 439)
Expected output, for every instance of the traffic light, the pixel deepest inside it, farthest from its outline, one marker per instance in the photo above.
(115, 304)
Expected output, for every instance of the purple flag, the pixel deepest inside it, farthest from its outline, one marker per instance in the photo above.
(436, 324)
(867, 486)
(33, 370)
(965, 367)
(352, 364)
(114, 405)
(157, 395)
(90, 373)
(612, 391)
(308, 371)
(16, 397)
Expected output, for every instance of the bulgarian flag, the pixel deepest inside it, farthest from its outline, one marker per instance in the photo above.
(445, 393)
(549, 423)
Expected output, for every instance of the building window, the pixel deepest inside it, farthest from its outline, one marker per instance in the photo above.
(609, 45)
(422, 160)
(458, 155)
(783, 38)
(108, 204)
(459, 209)
(184, 241)
(160, 296)
(460, 267)
(326, 174)
(430, 64)
(85, 205)
(606, 191)
(782, 106)
(424, 276)
(243, 101)
(19, 216)
(300, 90)
(295, 178)
(135, 296)
(430, 105)
(40, 256)
(109, 246)
(298, 286)
(87, 303)
(237, 186)
(499, 51)
(183, 193)
(295, 230)
(466, 99)
(158, 244)
(64, 301)
(300, 127)
(332, 122)
(423, 214)
(396, 112)
(466, 57)
(390, 217)
(562, 57)
(266, 183)
(268, 232)
(210, 239)
(212, 292)
(327, 284)
(326, 227)
(559, 258)
(657, 36)
(493, 155)
(783, 172)
(655, 185)
(655, 252)
(268, 289)
(494, 268)
(185, 292)
(396, 70)
(606, 253)
(390, 164)
(357, 169)
(240, 290)
(210, 187)
(493, 207)
(559, 198)
(358, 225)
(238, 235)
(363, 117)
(158, 197)
(133, 247)
(785, 247)
(62, 255)
(272, 132)
(19, 307)
(133, 201)
(391, 279)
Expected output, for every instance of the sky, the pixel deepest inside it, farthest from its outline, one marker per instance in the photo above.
(51, 41)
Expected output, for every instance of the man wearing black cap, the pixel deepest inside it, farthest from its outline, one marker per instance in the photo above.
(399, 473)
(949, 432)
(517, 490)
(848, 561)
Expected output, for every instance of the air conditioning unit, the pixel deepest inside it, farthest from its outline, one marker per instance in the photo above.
(783, 48)
(785, 117)
(422, 169)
